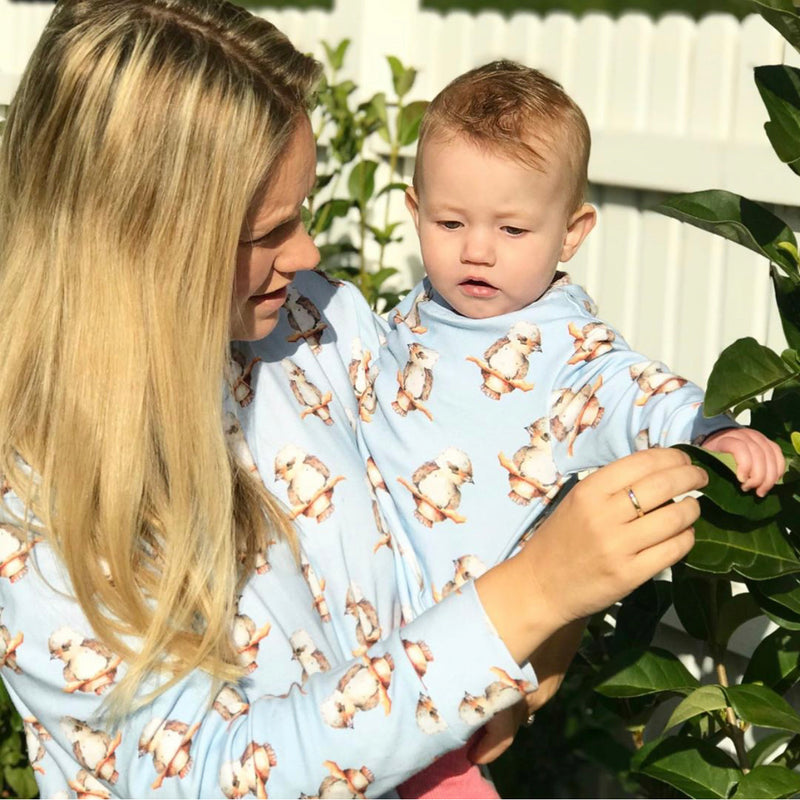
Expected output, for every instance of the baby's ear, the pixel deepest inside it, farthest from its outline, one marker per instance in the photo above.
(412, 204)
(580, 225)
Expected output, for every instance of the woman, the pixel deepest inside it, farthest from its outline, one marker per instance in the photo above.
(157, 154)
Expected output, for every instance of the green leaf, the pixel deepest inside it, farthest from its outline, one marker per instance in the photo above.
(765, 747)
(743, 370)
(327, 213)
(361, 182)
(768, 781)
(775, 661)
(723, 488)
(736, 218)
(381, 114)
(335, 55)
(724, 542)
(701, 701)
(390, 187)
(783, 16)
(641, 671)
(784, 591)
(639, 615)
(697, 599)
(777, 601)
(778, 417)
(779, 87)
(693, 766)
(735, 612)
(383, 236)
(21, 780)
(408, 122)
(787, 296)
(402, 78)
(760, 705)
(600, 747)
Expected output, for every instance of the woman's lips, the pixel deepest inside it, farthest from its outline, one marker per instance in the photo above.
(275, 298)
(474, 287)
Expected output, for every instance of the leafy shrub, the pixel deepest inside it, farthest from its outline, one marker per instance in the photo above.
(347, 183)
(16, 775)
(620, 685)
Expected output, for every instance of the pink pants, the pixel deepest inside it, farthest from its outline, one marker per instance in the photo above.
(450, 777)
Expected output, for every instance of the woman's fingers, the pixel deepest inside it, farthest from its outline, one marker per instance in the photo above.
(663, 523)
(653, 490)
(660, 556)
(498, 734)
(629, 471)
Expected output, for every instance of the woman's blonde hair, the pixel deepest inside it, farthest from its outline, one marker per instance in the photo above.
(139, 138)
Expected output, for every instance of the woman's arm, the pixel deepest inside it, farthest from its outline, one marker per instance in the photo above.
(550, 661)
(594, 549)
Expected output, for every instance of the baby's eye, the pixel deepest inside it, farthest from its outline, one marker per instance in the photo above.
(512, 231)
(450, 224)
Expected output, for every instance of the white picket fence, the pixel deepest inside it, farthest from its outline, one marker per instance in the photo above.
(673, 107)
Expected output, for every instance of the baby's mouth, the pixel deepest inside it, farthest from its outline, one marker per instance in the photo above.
(477, 282)
(475, 287)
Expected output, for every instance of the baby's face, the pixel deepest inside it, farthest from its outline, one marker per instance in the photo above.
(492, 230)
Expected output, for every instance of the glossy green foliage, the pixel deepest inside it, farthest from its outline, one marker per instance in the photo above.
(360, 144)
(702, 750)
(16, 776)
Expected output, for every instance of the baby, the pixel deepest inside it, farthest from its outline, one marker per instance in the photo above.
(496, 365)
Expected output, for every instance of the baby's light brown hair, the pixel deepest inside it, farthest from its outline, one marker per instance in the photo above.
(515, 110)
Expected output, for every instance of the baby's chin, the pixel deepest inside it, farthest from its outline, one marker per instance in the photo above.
(482, 307)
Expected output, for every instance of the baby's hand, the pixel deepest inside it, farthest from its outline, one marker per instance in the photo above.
(759, 462)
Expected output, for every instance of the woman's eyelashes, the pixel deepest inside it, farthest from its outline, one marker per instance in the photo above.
(275, 236)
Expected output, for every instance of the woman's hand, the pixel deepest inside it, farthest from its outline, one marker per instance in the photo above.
(596, 548)
(550, 662)
(495, 737)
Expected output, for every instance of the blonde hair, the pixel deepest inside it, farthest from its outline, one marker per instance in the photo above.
(515, 110)
(141, 134)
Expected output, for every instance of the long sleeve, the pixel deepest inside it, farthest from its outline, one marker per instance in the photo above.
(608, 400)
(340, 697)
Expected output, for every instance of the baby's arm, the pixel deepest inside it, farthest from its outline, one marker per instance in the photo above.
(759, 461)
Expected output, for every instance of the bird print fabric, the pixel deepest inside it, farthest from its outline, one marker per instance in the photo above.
(337, 647)
(476, 424)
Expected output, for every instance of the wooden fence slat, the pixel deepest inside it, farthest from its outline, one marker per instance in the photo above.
(671, 50)
(672, 107)
(425, 53)
(556, 46)
(712, 78)
(588, 77)
(523, 39)
(759, 44)
(629, 74)
(488, 39)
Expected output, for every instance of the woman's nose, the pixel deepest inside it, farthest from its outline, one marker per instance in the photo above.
(302, 255)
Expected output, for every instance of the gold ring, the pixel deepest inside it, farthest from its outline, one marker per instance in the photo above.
(635, 501)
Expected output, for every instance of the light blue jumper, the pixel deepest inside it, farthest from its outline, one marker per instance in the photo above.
(475, 424)
(340, 698)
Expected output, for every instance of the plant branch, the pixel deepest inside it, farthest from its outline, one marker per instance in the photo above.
(732, 727)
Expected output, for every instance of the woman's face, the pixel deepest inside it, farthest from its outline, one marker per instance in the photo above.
(273, 243)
